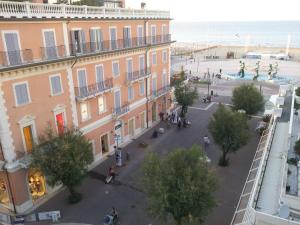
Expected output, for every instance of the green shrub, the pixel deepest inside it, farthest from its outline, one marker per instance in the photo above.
(297, 147)
(298, 91)
(267, 118)
(292, 161)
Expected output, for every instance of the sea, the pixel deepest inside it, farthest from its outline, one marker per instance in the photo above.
(258, 33)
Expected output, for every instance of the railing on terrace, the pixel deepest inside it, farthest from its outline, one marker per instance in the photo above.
(51, 53)
(162, 91)
(15, 58)
(93, 90)
(119, 111)
(159, 39)
(136, 75)
(10, 9)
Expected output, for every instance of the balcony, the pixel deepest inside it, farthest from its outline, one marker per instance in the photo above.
(137, 75)
(93, 90)
(16, 58)
(37, 10)
(160, 92)
(119, 111)
(52, 53)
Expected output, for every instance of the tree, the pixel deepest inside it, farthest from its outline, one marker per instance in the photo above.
(229, 130)
(63, 158)
(248, 98)
(180, 186)
(185, 96)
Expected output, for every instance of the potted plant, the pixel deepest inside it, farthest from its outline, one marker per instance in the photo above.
(297, 96)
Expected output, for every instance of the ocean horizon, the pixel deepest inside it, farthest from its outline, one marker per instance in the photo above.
(251, 33)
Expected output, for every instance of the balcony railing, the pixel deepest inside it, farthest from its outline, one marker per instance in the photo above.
(51, 53)
(37, 10)
(93, 90)
(22, 57)
(119, 111)
(160, 92)
(15, 58)
(114, 45)
(136, 75)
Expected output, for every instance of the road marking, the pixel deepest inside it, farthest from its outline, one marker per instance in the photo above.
(206, 108)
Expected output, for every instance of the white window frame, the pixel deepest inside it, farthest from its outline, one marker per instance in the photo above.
(137, 33)
(145, 120)
(25, 122)
(141, 94)
(152, 55)
(104, 103)
(134, 125)
(162, 28)
(96, 66)
(153, 25)
(165, 52)
(142, 56)
(57, 110)
(15, 94)
(88, 111)
(44, 40)
(4, 42)
(112, 65)
(113, 27)
(82, 69)
(50, 82)
(108, 137)
(130, 31)
(132, 88)
(115, 90)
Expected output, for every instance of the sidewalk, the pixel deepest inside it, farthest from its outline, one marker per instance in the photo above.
(127, 195)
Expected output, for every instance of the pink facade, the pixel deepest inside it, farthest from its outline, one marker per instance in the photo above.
(106, 77)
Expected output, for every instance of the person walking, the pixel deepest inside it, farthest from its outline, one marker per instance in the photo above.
(179, 123)
(206, 141)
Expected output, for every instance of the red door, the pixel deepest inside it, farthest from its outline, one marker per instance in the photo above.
(60, 123)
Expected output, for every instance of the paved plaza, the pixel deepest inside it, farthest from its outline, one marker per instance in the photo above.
(127, 195)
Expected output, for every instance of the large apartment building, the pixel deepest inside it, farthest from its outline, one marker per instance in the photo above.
(105, 70)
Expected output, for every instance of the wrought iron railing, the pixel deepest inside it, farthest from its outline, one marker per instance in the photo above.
(93, 90)
(162, 91)
(16, 58)
(136, 75)
(119, 111)
(51, 53)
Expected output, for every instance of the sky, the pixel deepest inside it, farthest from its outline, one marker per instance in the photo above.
(225, 10)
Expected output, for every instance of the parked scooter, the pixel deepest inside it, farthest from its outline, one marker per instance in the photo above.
(110, 176)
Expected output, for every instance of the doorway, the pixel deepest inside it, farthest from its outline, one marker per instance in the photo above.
(131, 127)
(28, 138)
(142, 120)
(104, 144)
(154, 112)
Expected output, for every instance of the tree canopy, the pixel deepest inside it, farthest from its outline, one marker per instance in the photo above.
(63, 158)
(185, 96)
(229, 130)
(180, 186)
(248, 98)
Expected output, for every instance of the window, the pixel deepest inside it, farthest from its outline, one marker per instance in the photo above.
(116, 71)
(164, 78)
(127, 37)
(50, 45)
(21, 94)
(164, 57)
(153, 34)
(142, 87)
(78, 41)
(82, 83)
(13, 48)
(140, 35)
(101, 104)
(130, 93)
(96, 38)
(84, 111)
(154, 58)
(113, 38)
(56, 88)
(142, 64)
(164, 33)
(129, 69)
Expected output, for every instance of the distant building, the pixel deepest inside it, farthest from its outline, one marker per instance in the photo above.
(105, 70)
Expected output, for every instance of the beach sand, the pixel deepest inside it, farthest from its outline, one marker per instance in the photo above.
(220, 52)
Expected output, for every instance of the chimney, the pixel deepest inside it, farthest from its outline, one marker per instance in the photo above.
(143, 5)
